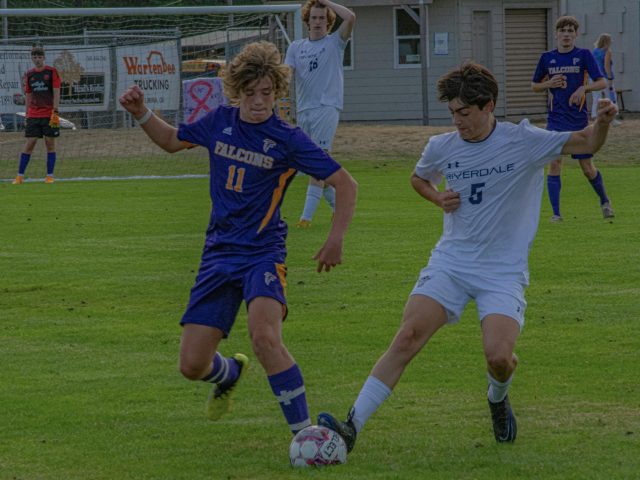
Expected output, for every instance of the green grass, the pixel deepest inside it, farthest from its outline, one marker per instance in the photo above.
(95, 276)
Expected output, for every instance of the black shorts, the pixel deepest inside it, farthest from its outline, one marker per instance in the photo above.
(39, 127)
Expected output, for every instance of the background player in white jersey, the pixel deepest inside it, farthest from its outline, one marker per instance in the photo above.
(317, 65)
(564, 73)
(494, 174)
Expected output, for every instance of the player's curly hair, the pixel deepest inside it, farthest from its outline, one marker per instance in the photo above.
(256, 61)
(306, 13)
(472, 83)
(567, 21)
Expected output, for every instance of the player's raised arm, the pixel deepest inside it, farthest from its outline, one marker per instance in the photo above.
(162, 134)
(346, 187)
(347, 16)
(590, 139)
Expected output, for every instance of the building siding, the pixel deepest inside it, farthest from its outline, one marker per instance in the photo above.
(375, 90)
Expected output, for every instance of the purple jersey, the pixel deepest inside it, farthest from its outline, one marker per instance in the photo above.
(577, 66)
(251, 166)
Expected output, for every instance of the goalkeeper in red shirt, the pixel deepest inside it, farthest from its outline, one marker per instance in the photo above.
(42, 89)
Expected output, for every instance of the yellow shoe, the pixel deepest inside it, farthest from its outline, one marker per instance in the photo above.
(49, 179)
(19, 180)
(219, 401)
(303, 223)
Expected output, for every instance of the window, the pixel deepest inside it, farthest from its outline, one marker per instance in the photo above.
(407, 38)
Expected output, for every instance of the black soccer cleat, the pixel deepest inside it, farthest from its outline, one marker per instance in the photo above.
(345, 429)
(505, 427)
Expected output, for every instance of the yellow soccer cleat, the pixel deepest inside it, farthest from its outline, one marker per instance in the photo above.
(219, 401)
(303, 223)
(19, 180)
(49, 179)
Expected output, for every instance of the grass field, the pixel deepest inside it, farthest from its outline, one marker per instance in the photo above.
(95, 276)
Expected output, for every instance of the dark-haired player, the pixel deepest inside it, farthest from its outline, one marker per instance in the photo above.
(565, 72)
(493, 174)
(42, 89)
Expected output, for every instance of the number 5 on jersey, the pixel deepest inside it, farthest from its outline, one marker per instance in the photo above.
(476, 193)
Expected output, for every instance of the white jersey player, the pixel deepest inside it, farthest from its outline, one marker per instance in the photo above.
(491, 200)
(317, 65)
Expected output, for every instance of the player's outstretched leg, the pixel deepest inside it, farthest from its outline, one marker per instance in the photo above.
(219, 401)
(505, 427)
(346, 429)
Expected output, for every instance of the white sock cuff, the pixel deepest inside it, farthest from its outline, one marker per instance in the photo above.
(498, 384)
(377, 388)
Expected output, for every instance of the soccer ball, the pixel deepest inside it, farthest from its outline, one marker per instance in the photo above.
(317, 446)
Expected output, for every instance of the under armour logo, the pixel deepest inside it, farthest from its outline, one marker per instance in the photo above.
(267, 145)
(269, 278)
(423, 280)
(453, 165)
(228, 131)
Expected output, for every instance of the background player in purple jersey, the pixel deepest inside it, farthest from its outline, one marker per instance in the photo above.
(564, 73)
(42, 91)
(254, 156)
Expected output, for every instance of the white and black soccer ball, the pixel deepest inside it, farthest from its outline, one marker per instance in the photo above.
(317, 446)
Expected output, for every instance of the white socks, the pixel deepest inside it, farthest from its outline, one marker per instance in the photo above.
(371, 396)
(497, 391)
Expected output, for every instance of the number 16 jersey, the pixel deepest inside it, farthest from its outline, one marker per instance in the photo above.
(318, 71)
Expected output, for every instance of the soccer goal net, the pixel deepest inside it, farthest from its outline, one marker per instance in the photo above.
(173, 54)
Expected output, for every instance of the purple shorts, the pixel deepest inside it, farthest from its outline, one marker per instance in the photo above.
(221, 286)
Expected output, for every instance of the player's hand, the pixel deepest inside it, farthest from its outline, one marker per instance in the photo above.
(133, 101)
(607, 111)
(54, 120)
(329, 256)
(577, 96)
(449, 201)
(557, 81)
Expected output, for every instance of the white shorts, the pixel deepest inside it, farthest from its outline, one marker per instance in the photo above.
(320, 124)
(453, 290)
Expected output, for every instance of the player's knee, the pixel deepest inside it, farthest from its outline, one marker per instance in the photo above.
(407, 343)
(501, 364)
(264, 343)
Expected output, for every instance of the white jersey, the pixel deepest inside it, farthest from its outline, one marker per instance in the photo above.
(500, 181)
(318, 71)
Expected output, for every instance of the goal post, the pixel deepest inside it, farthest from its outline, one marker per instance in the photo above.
(173, 53)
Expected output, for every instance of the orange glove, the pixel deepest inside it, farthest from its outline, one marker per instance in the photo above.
(54, 121)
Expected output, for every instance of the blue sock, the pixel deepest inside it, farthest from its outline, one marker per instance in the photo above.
(329, 194)
(223, 370)
(314, 194)
(554, 185)
(288, 387)
(598, 186)
(24, 161)
(51, 163)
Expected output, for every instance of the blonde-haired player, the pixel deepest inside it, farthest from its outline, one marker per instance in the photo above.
(317, 65)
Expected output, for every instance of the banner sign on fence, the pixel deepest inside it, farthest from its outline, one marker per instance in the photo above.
(85, 73)
(155, 68)
(201, 96)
